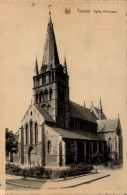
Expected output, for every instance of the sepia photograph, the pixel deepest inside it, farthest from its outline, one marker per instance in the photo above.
(63, 97)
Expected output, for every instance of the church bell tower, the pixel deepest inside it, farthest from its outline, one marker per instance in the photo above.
(51, 82)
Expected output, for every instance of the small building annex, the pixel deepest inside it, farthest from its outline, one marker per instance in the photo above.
(57, 131)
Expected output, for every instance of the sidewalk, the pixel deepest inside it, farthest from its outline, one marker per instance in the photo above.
(54, 184)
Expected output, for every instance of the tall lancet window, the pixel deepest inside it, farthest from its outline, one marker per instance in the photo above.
(50, 94)
(49, 149)
(37, 98)
(45, 95)
(41, 96)
(44, 79)
(36, 133)
(27, 134)
(31, 132)
(110, 144)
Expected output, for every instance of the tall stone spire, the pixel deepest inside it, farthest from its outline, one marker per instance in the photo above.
(36, 68)
(100, 105)
(65, 65)
(50, 55)
(100, 110)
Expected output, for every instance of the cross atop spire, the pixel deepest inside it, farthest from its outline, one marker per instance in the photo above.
(49, 9)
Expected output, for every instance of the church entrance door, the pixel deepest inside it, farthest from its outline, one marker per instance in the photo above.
(31, 156)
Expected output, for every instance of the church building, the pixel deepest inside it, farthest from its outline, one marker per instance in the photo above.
(57, 131)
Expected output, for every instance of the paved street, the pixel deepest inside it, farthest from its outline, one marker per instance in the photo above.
(111, 183)
(11, 187)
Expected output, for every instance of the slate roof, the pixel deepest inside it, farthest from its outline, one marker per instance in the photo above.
(81, 112)
(76, 134)
(107, 125)
(50, 55)
(45, 114)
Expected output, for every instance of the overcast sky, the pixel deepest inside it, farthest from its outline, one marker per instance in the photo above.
(95, 48)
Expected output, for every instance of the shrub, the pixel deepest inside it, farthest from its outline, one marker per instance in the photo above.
(106, 164)
(117, 162)
(32, 172)
(16, 170)
(13, 169)
(39, 171)
(55, 174)
(24, 173)
(42, 172)
(84, 168)
(72, 171)
(48, 172)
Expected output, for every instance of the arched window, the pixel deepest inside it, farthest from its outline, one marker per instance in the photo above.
(27, 134)
(49, 147)
(50, 93)
(45, 95)
(53, 76)
(44, 79)
(41, 96)
(49, 77)
(73, 123)
(36, 134)
(40, 81)
(36, 98)
(76, 123)
(110, 144)
(35, 82)
(43, 106)
(31, 132)
(49, 106)
(62, 96)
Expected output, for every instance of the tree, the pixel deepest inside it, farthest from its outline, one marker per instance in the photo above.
(11, 142)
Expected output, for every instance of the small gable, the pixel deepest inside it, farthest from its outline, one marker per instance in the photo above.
(38, 114)
(95, 111)
(107, 125)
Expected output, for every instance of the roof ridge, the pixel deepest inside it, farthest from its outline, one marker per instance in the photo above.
(26, 112)
(77, 134)
(79, 105)
(107, 119)
(42, 111)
